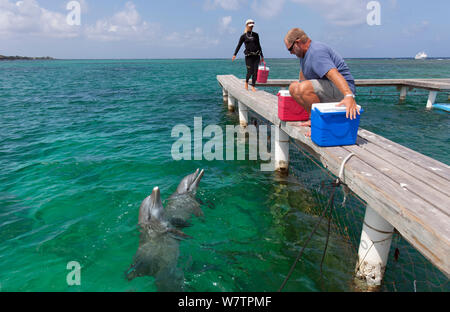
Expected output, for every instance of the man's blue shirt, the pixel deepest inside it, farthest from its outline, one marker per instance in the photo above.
(318, 61)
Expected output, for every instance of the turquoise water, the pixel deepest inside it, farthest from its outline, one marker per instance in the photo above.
(82, 143)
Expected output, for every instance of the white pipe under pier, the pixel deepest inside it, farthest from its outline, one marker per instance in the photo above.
(225, 96)
(431, 99)
(403, 92)
(243, 115)
(231, 103)
(374, 249)
(281, 150)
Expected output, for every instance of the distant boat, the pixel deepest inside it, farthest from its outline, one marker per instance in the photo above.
(421, 56)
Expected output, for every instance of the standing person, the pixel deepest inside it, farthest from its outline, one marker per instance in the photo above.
(324, 75)
(253, 52)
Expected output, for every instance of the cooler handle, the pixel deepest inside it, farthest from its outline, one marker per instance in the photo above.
(264, 64)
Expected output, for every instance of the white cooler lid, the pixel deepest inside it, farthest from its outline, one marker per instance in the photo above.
(330, 107)
(284, 93)
(262, 67)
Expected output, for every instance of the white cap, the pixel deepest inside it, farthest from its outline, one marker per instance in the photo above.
(251, 22)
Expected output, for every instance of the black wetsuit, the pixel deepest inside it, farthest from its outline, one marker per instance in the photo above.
(253, 52)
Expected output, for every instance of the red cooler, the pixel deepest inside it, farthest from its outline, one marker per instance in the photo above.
(263, 73)
(289, 109)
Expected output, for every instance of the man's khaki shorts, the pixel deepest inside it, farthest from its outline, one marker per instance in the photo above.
(326, 91)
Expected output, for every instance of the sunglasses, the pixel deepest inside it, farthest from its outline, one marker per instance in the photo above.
(292, 46)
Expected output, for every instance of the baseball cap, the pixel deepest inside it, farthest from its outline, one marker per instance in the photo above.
(250, 21)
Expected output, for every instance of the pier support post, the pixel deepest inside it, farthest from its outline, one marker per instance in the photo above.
(403, 91)
(281, 151)
(431, 99)
(243, 115)
(231, 103)
(225, 96)
(374, 248)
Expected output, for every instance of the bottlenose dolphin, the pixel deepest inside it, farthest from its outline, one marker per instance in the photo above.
(158, 250)
(183, 203)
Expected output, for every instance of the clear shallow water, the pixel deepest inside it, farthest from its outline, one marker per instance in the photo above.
(82, 143)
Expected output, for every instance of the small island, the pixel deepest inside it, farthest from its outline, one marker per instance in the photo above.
(14, 58)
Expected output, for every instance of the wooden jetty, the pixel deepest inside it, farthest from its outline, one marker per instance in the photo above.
(404, 85)
(403, 189)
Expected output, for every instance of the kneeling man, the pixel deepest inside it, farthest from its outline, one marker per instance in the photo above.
(324, 75)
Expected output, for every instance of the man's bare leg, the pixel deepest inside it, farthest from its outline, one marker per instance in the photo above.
(246, 86)
(303, 93)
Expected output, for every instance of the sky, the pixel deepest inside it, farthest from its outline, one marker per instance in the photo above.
(105, 29)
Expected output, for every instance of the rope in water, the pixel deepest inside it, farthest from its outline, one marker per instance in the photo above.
(329, 207)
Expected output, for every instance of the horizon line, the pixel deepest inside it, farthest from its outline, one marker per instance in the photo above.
(224, 58)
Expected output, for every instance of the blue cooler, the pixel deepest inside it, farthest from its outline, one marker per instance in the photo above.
(330, 127)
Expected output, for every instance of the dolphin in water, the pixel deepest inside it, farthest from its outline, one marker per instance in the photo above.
(183, 203)
(158, 250)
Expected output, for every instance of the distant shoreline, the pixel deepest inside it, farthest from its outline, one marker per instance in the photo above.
(27, 58)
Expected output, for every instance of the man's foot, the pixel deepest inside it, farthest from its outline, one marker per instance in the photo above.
(246, 86)
(306, 123)
(253, 89)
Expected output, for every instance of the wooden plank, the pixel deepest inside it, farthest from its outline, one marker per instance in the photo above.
(427, 84)
(257, 101)
(406, 181)
(379, 82)
(427, 177)
(422, 218)
(427, 163)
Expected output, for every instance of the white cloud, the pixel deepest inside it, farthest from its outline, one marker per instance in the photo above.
(268, 8)
(192, 38)
(338, 12)
(126, 24)
(225, 25)
(224, 4)
(335, 12)
(129, 25)
(28, 18)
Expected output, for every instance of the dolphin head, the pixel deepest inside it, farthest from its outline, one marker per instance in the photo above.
(151, 207)
(190, 183)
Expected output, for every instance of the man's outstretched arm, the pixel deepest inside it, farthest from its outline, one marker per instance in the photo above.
(301, 77)
(339, 81)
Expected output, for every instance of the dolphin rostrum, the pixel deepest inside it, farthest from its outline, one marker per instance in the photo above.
(183, 203)
(158, 250)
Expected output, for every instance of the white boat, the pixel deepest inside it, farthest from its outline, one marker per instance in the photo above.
(421, 56)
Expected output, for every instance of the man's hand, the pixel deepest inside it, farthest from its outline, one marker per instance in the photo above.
(335, 77)
(234, 57)
(352, 108)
